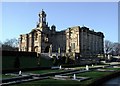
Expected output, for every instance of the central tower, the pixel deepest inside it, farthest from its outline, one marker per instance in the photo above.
(42, 19)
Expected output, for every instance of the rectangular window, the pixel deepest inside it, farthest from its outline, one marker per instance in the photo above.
(72, 46)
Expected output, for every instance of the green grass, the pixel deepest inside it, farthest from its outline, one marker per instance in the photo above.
(116, 69)
(51, 82)
(90, 66)
(92, 74)
(7, 76)
(45, 71)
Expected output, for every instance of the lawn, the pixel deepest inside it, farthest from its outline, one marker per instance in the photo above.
(45, 71)
(90, 66)
(7, 76)
(116, 69)
(35, 72)
(51, 82)
(93, 75)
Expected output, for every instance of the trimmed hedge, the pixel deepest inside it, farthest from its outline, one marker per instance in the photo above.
(15, 60)
(18, 53)
(9, 62)
(45, 62)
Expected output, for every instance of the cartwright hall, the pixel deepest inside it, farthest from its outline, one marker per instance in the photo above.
(79, 40)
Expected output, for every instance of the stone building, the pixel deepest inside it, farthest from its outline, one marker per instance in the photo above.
(83, 41)
(79, 40)
(41, 37)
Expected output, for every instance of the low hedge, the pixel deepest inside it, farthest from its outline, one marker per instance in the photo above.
(18, 53)
(24, 69)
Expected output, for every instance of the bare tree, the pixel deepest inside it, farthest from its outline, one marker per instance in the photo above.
(10, 44)
(116, 48)
(108, 46)
(112, 48)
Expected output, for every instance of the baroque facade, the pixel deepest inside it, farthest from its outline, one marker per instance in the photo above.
(80, 40)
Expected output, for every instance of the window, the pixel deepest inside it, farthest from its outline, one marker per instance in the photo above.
(72, 46)
(36, 36)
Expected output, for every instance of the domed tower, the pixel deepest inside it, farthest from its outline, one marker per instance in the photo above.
(42, 19)
(53, 28)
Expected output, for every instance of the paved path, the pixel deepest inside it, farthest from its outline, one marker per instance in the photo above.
(113, 82)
